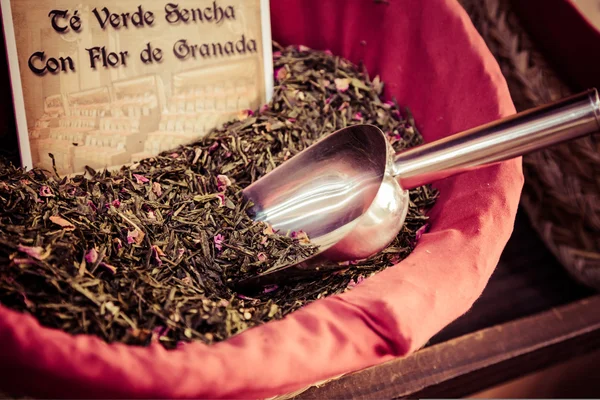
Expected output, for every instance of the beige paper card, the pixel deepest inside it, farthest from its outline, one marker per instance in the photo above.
(108, 82)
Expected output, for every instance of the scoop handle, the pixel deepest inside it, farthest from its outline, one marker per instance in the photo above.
(507, 138)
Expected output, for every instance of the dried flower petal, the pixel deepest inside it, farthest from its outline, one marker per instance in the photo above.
(58, 220)
(91, 256)
(303, 48)
(262, 257)
(213, 147)
(223, 182)
(243, 114)
(268, 230)
(421, 231)
(136, 236)
(342, 84)
(281, 74)
(269, 289)
(301, 236)
(92, 206)
(116, 203)
(157, 253)
(141, 179)
(358, 116)
(109, 267)
(221, 198)
(159, 332)
(354, 283)
(264, 108)
(33, 252)
(219, 241)
(45, 191)
(157, 189)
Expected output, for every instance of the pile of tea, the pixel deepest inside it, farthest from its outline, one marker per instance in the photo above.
(149, 252)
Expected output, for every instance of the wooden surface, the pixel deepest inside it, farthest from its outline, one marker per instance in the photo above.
(531, 315)
(469, 363)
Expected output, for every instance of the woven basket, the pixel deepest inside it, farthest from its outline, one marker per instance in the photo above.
(562, 184)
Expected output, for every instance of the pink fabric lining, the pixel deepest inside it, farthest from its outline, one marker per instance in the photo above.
(434, 62)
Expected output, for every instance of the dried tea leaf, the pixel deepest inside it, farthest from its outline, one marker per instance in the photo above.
(148, 253)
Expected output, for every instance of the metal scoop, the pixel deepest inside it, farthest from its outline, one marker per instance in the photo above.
(349, 191)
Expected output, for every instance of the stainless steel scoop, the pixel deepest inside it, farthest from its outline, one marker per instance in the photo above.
(349, 191)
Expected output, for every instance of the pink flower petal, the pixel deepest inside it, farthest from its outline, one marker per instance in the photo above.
(303, 48)
(109, 267)
(270, 289)
(157, 252)
(213, 147)
(354, 283)
(301, 236)
(243, 114)
(221, 198)
(268, 230)
(276, 54)
(281, 74)
(33, 252)
(45, 191)
(342, 84)
(421, 231)
(119, 243)
(328, 52)
(135, 236)
(116, 203)
(343, 106)
(358, 116)
(91, 256)
(157, 189)
(141, 179)
(264, 108)
(92, 205)
(58, 220)
(223, 182)
(159, 332)
(262, 257)
(219, 241)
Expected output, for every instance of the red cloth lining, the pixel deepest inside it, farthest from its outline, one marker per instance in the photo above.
(434, 62)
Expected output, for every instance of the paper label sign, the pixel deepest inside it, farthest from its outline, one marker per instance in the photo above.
(105, 83)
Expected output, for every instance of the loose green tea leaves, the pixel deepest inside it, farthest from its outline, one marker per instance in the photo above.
(149, 253)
